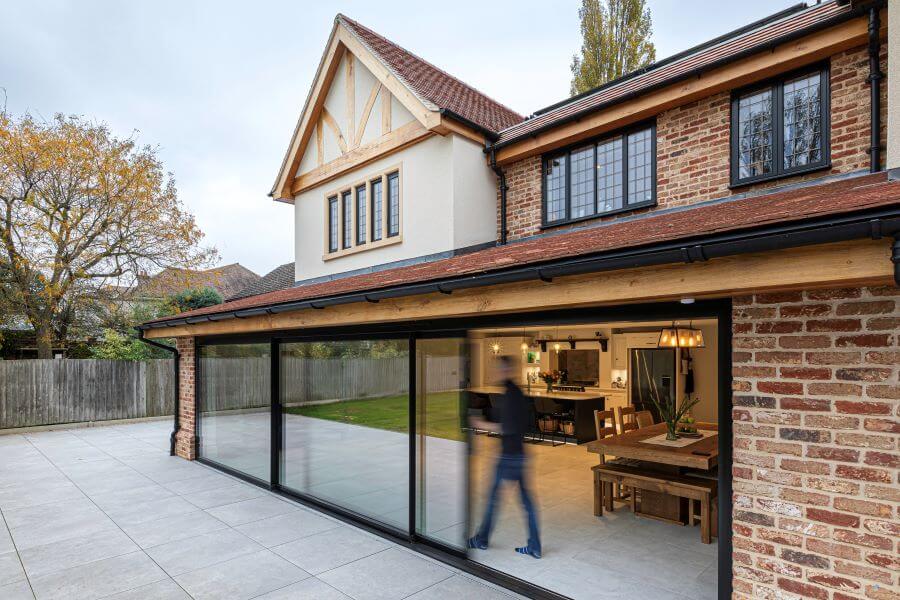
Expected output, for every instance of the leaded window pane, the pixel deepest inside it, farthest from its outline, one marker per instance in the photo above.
(555, 186)
(582, 198)
(640, 167)
(361, 214)
(333, 224)
(347, 206)
(377, 210)
(802, 121)
(393, 204)
(755, 134)
(609, 175)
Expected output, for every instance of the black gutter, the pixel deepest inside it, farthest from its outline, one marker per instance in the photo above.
(176, 358)
(875, 76)
(684, 76)
(501, 183)
(872, 224)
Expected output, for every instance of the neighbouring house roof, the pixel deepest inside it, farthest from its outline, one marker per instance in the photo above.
(432, 85)
(279, 278)
(227, 280)
(752, 38)
(850, 195)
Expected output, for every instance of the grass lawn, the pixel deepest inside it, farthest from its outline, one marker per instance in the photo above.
(392, 413)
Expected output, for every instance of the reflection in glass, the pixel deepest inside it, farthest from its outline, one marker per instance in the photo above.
(235, 423)
(346, 425)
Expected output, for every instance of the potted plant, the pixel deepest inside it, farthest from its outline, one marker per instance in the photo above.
(670, 413)
(549, 377)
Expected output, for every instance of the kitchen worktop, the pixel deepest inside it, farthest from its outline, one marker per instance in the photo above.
(541, 391)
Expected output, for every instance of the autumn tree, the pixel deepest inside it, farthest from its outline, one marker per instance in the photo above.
(82, 213)
(615, 41)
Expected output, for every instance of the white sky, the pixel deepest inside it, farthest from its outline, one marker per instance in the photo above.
(218, 86)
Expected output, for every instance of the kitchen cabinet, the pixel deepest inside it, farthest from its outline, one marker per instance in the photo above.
(619, 351)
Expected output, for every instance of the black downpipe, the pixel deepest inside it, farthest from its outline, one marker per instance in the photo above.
(501, 177)
(895, 258)
(176, 358)
(875, 76)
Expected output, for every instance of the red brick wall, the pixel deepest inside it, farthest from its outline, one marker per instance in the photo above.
(185, 446)
(816, 461)
(693, 148)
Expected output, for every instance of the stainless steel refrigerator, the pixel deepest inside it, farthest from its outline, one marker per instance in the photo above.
(656, 365)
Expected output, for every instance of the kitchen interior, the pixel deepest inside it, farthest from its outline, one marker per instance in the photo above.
(570, 372)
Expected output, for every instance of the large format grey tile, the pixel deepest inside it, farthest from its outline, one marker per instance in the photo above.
(243, 577)
(288, 527)
(387, 575)
(56, 556)
(19, 590)
(169, 529)
(166, 589)
(151, 510)
(10, 568)
(251, 510)
(330, 549)
(459, 587)
(203, 550)
(308, 589)
(231, 493)
(99, 578)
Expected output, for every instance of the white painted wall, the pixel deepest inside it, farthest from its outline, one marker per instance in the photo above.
(893, 83)
(474, 195)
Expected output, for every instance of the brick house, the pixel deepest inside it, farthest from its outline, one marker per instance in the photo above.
(747, 185)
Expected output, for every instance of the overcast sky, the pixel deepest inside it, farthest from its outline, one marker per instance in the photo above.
(218, 86)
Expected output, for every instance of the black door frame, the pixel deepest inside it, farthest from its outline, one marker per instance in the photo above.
(719, 309)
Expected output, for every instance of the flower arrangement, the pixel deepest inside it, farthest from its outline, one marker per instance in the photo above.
(549, 377)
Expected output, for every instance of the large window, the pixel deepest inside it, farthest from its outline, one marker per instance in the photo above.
(363, 215)
(780, 128)
(235, 420)
(612, 174)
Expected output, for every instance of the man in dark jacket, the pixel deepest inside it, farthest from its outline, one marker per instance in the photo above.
(513, 418)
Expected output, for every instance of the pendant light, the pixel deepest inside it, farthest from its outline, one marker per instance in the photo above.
(680, 337)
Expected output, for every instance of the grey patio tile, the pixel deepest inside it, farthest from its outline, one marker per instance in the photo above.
(53, 523)
(141, 512)
(56, 556)
(34, 493)
(166, 589)
(286, 528)
(251, 510)
(330, 549)
(203, 480)
(99, 578)
(172, 528)
(19, 590)
(388, 575)
(243, 577)
(459, 587)
(10, 568)
(231, 493)
(201, 551)
(124, 498)
(6, 542)
(308, 589)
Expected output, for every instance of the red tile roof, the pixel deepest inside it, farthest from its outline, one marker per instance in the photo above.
(433, 85)
(843, 196)
(729, 47)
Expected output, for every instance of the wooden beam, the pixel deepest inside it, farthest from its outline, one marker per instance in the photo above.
(350, 96)
(841, 264)
(367, 112)
(767, 63)
(320, 144)
(385, 111)
(450, 126)
(335, 129)
(395, 141)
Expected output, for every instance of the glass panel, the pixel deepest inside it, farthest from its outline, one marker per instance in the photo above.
(393, 204)
(346, 425)
(802, 122)
(377, 209)
(333, 224)
(609, 175)
(347, 202)
(755, 135)
(361, 214)
(640, 167)
(235, 424)
(441, 442)
(555, 185)
(582, 182)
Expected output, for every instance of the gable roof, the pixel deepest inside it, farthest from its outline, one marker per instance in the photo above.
(755, 37)
(227, 280)
(279, 278)
(686, 225)
(433, 86)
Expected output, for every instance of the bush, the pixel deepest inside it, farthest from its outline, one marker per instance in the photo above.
(118, 346)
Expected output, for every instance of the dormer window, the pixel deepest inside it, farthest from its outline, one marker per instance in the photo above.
(363, 215)
(612, 174)
(780, 128)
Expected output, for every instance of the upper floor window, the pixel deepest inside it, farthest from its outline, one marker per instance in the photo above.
(780, 128)
(362, 215)
(613, 174)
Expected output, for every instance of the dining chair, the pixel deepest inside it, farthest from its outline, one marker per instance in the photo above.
(643, 418)
(625, 419)
(605, 426)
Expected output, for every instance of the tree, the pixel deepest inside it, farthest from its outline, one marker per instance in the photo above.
(615, 41)
(193, 299)
(119, 346)
(83, 212)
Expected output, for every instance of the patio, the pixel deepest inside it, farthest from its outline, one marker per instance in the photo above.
(104, 512)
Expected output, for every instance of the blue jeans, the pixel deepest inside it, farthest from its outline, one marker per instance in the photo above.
(510, 468)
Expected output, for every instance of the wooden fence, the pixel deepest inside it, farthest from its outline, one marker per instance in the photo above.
(54, 391)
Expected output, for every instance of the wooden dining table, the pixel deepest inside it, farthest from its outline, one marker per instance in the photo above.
(702, 454)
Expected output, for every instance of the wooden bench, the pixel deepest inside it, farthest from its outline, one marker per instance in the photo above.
(608, 476)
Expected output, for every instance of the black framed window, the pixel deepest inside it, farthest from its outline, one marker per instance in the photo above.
(360, 214)
(609, 175)
(780, 128)
(347, 205)
(377, 209)
(333, 224)
(393, 216)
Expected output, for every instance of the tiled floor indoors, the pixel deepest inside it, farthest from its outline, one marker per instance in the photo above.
(104, 512)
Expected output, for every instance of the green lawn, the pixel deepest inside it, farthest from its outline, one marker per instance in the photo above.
(441, 418)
